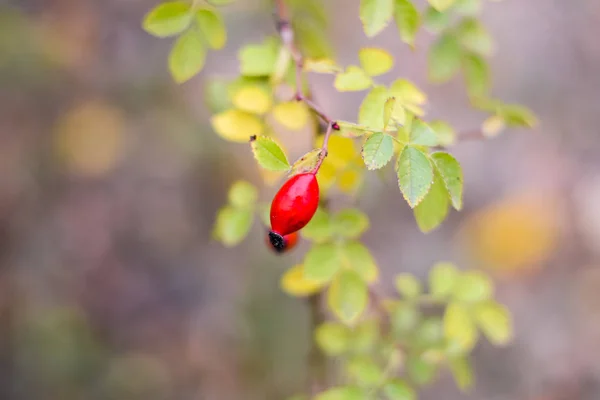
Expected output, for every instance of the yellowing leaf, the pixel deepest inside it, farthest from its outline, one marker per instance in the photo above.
(347, 296)
(236, 125)
(473, 286)
(242, 194)
(293, 114)
(306, 163)
(371, 110)
(462, 372)
(212, 26)
(269, 155)
(168, 19)
(375, 15)
(495, 322)
(295, 283)
(415, 175)
(341, 151)
(353, 79)
(252, 98)
(321, 66)
(444, 58)
(408, 20)
(408, 285)
(89, 138)
(514, 235)
(232, 225)
(349, 180)
(459, 328)
(187, 56)
(493, 126)
(375, 61)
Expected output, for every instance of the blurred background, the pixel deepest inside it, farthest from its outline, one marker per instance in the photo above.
(111, 286)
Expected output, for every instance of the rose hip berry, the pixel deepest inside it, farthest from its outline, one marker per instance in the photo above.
(293, 207)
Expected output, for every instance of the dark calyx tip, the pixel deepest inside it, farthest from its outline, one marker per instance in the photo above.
(335, 126)
(277, 241)
(252, 138)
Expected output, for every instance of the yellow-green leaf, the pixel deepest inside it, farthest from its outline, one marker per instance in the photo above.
(342, 393)
(350, 223)
(347, 296)
(493, 126)
(461, 372)
(432, 211)
(375, 15)
(459, 328)
(408, 20)
(364, 371)
(242, 194)
(333, 338)
(358, 258)
(473, 36)
(187, 56)
(259, 59)
(269, 155)
(442, 278)
(295, 283)
(421, 134)
(322, 262)
(321, 66)
(408, 93)
(441, 5)
(408, 285)
(371, 110)
(415, 175)
(353, 79)
(237, 125)
(495, 322)
(292, 114)
(212, 26)
(232, 225)
(351, 130)
(320, 228)
(451, 173)
(377, 150)
(436, 21)
(444, 58)
(252, 98)
(477, 75)
(397, 389)
(473, 286)
(306, 163)
(446, 136)
(168, 19)
(375, 61)
(388, 111)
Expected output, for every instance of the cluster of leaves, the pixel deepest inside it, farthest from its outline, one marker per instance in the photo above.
(419, 334)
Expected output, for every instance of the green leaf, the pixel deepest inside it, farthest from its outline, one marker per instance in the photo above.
(370, 113)
(459, 328)
(408, 20)
(495, 322)
(319, 229)
(353, 79)
(243, 194)
(451, 173)
(237, 125)
(347, 296)
(408, 285)
(359, 259)
(462, 372)
(377, 150)
(422, 134)
(375, 61)
(444, 58)
(420, 371)
(405, 317)
(473, 286)
(436, 21)
(477, 75)
(349, 129)
(350, 223)
(446, 136)
(168, 19)
(232, 225)
(212, 26)
(397, 389)
(364, 336)
(415, 175)
(430, 333)
(441, 5)
(516, 115)
(467, 7)
(322, 262)
(259, 59)
(364, 371)
(312, 39)
(269, 155)
(187, 56)
(375, 15)
(252, 98)
(432, 211)
(333, 338)
(342, 393)
(473, 36)
(216, 95)
(442, 278)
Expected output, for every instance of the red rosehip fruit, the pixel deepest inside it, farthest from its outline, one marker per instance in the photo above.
(289, 242)
(293, 206)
